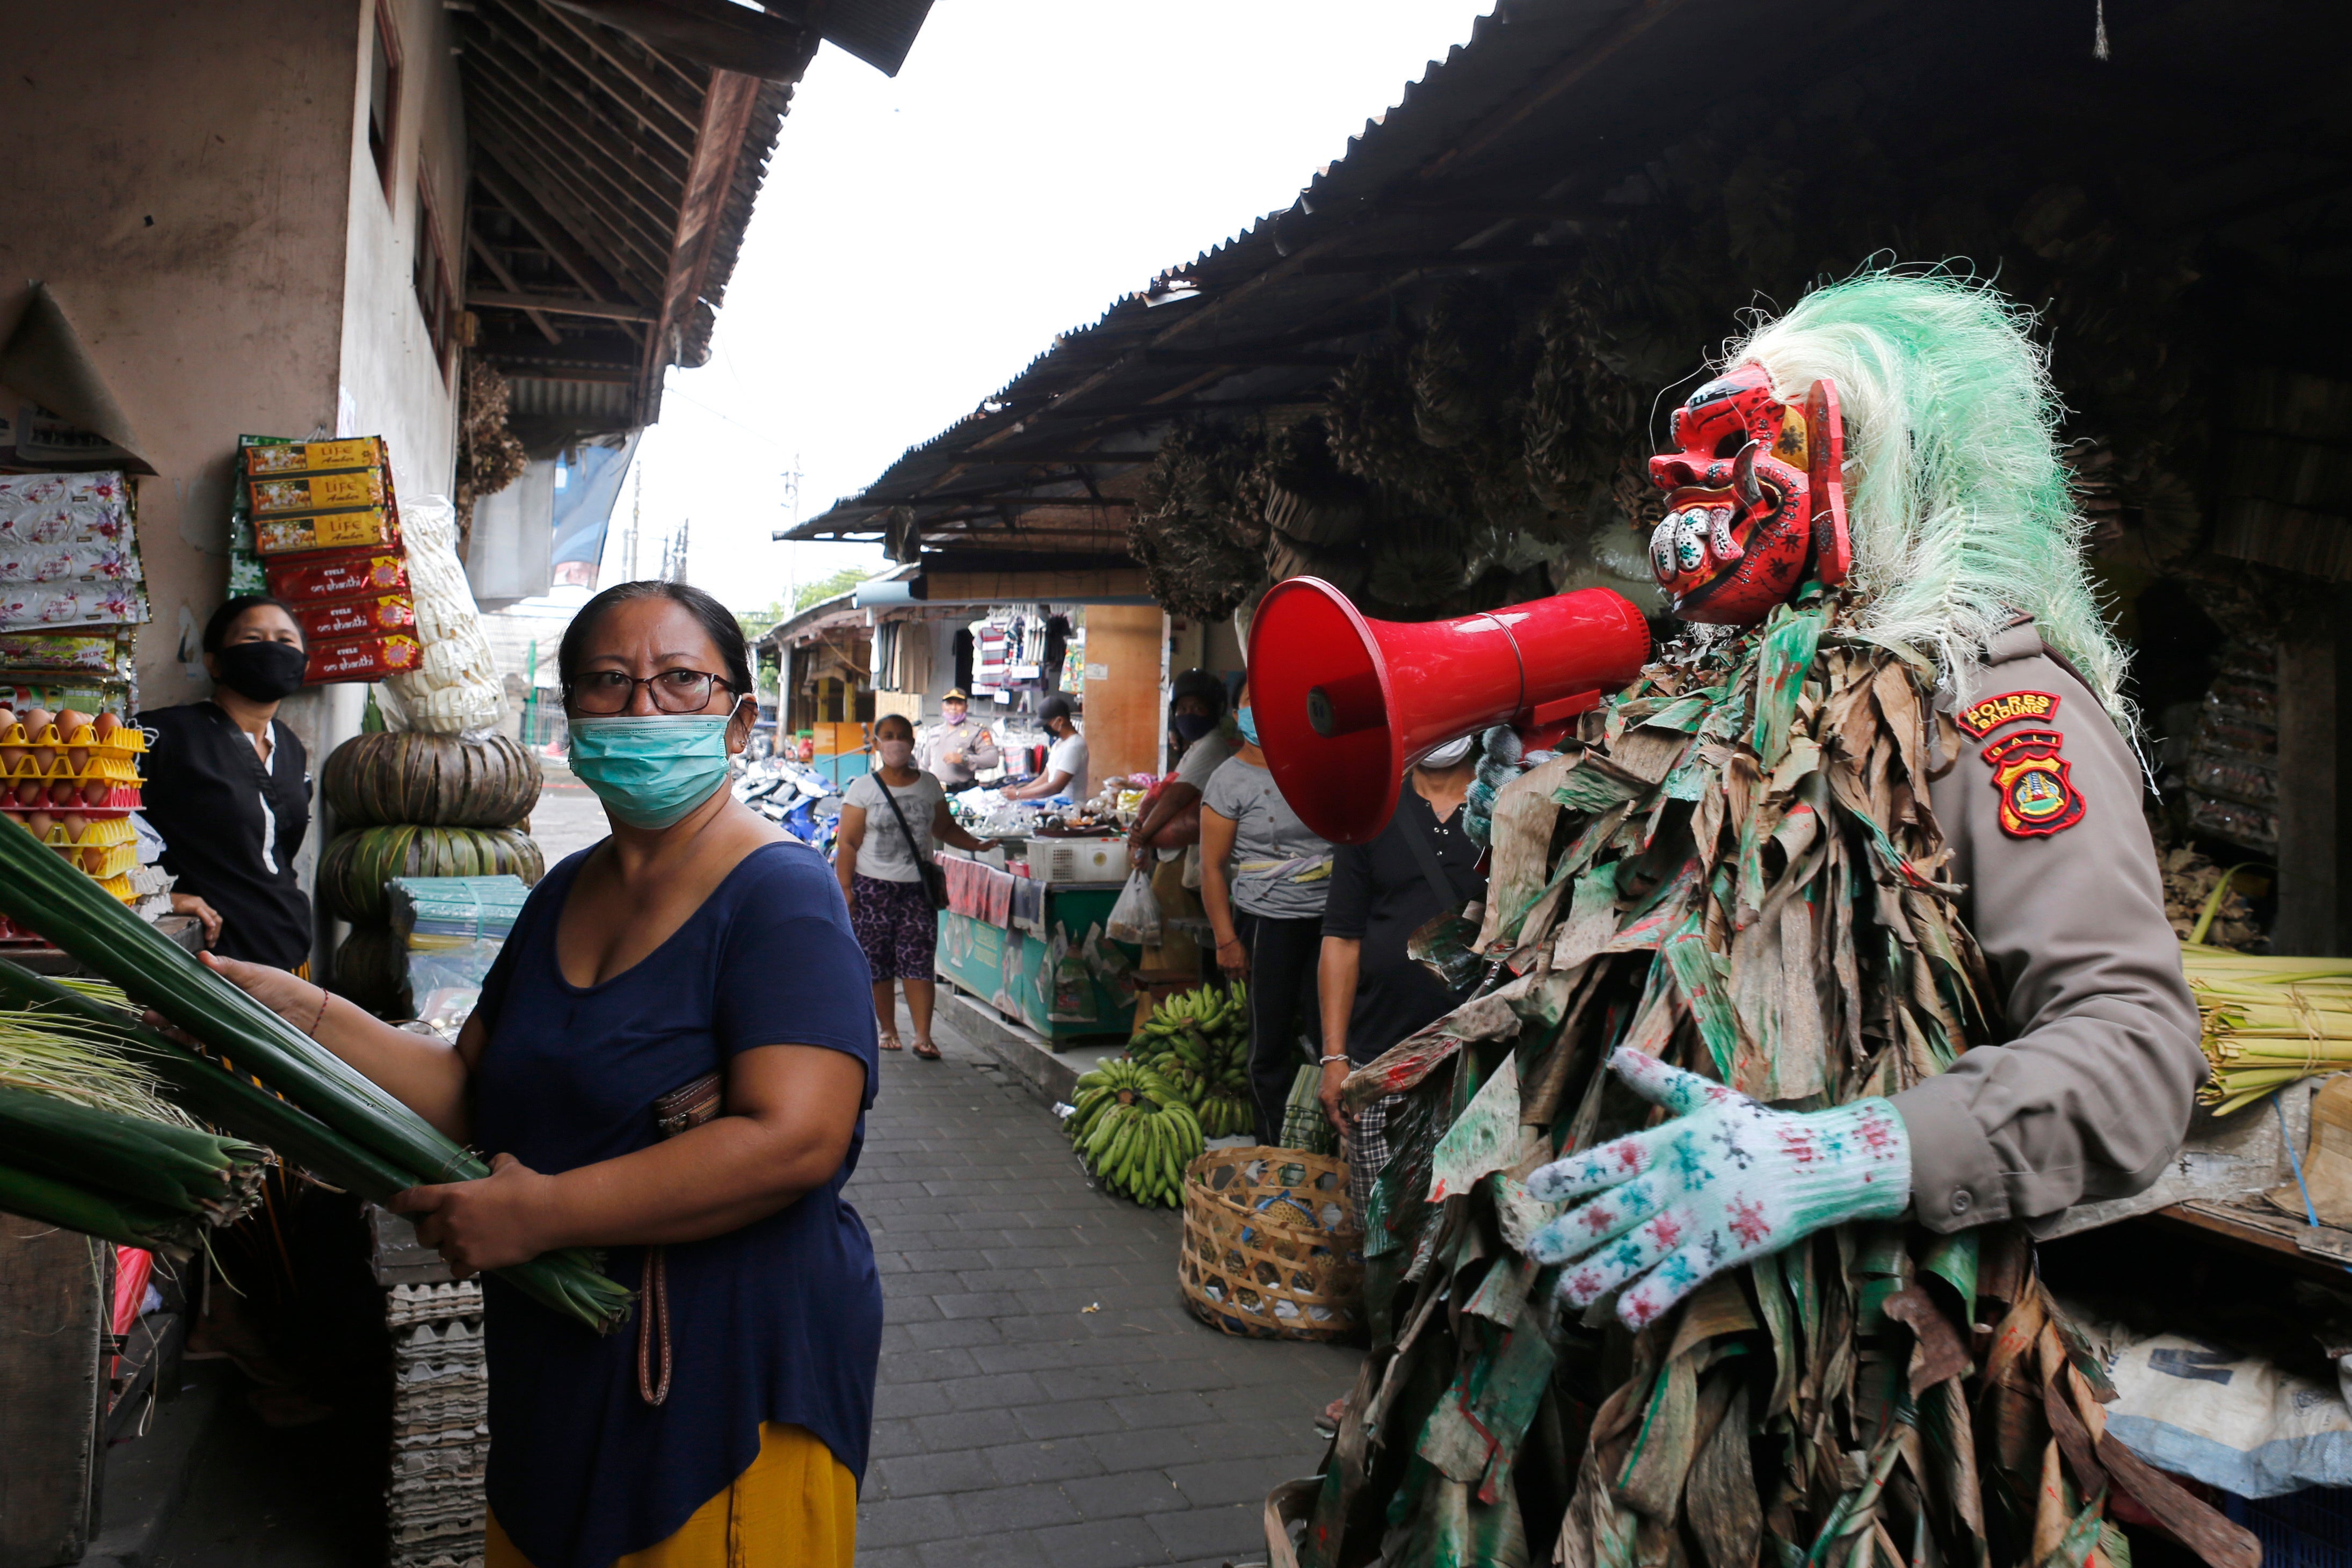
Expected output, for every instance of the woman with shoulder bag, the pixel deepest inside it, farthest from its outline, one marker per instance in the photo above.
(895, 892)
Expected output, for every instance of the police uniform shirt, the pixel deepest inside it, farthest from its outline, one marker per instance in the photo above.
(2089, 1094)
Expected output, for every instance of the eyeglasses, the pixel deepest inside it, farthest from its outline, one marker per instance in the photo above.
(673, 691)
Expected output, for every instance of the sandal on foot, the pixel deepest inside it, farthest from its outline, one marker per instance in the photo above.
(926, 1050)
(892, 1043)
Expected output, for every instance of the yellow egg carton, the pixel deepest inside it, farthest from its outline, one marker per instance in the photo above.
(97, 833)
(124, 739)
(101, 861)
(110, 766)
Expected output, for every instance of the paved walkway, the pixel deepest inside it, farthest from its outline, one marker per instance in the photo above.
(1045, 1397)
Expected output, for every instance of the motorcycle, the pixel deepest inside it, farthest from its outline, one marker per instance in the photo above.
(795, 798)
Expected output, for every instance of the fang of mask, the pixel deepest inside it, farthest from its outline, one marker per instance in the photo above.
(1753, 498)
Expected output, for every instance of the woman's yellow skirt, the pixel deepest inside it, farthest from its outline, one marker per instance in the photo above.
(796, 1504)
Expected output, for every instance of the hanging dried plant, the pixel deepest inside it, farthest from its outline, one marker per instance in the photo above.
(1199, 525)
(489, 458)
(1306, 495)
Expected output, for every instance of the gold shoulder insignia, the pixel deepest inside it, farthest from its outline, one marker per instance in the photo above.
(1982, 719)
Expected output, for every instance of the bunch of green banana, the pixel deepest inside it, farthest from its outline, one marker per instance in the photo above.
(1134, 1130)
(1199, 1041)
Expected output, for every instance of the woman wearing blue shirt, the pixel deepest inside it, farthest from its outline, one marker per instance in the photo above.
(695, 941)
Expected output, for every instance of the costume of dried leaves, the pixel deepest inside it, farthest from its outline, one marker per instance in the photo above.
(1735, 867)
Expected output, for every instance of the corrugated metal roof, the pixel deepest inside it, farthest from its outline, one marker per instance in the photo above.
(1555, 124)
(1144, 357)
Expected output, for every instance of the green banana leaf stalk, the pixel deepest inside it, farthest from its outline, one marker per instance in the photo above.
(176, 1169)
(379, 1145)
(125, 1222)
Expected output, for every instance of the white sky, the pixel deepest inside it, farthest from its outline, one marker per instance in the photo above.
(920, 239)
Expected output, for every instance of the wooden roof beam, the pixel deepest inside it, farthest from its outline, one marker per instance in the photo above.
(543, 227)
(592, 148)
(726, 111)
(565, 42)
(498, 270)
(547, 81)
(533, 303)
(575, 204)
(593, 33)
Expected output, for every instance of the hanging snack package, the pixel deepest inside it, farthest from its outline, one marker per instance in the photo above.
(301, 495)
(1072, 992)
(266, 458)
(358, 574)
(363, 659)
(371, 527)
(344, 619)
(66, 508)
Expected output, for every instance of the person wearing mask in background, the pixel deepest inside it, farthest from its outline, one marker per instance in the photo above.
(1264, 876)
(228, 788)
(956, 749)
(1065, 763)
(891, 822)
(1166, 838)
(1421, 865)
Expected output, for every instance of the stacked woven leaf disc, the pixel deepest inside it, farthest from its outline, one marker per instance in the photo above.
(412, 804)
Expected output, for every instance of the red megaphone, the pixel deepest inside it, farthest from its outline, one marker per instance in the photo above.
(1344, 704)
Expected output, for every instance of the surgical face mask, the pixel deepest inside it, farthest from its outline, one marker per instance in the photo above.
(1245, 720)
(896, 753)
(1448, 755)
(650, 771)
(261, 672)
(955, 715)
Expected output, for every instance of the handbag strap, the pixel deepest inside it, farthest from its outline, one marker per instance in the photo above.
(912, 848)
(683, 1108)
(1426, 854)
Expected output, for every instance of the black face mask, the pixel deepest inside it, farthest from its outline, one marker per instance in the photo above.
(261, 672)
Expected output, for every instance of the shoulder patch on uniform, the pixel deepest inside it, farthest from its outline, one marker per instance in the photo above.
(2037, 797)
(1982, 719)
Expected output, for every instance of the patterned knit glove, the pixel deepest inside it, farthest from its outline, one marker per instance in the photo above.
(1725, 1181)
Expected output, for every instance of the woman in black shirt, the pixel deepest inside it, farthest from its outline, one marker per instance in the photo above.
(228, 788)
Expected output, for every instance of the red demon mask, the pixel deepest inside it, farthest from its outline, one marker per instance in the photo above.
(1753, 498)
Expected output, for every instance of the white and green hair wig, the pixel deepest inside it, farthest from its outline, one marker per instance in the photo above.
(1957, 499)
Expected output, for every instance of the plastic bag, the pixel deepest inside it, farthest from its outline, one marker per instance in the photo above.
(1136, 917)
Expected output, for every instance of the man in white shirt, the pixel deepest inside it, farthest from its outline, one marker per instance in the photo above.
(1065, 763)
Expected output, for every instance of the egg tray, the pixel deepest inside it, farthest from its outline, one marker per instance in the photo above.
(117, 799)
(110, 766)
(98, 833)
(114, 860)
(126, 740)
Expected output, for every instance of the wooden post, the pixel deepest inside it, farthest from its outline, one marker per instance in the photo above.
(53, 1313)
(1127, 644)
(2313, 796)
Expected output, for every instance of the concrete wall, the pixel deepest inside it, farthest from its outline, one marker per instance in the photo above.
(180, 176)
(390, 382)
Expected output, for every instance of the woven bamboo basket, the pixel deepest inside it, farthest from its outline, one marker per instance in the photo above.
(1271, 1245)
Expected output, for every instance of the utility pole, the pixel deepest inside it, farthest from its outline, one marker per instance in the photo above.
(637, 515)
(784, 534)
